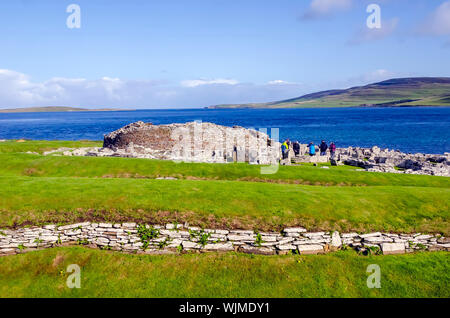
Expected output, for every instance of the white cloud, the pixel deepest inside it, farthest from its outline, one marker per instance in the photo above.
(376, 76)
(438, 23)
(199, 82)
(323, 8)
(281, 82)
(18, 90)
(370, 35)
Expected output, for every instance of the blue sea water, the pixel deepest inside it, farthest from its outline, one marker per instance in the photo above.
(421, 129)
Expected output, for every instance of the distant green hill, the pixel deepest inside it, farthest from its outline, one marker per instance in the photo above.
(419, 91)
(51, 109)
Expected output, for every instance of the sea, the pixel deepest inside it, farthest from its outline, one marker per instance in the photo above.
(408, 129)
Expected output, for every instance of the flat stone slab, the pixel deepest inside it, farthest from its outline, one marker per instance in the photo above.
(294, 230)
(363, 236)
(256, 250)
(393, 248)
(310, 249)
(219, 247)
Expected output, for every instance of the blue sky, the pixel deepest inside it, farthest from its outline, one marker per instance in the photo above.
(180, 53)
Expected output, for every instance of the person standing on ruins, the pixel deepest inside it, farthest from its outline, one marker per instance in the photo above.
(312, 149)
(332, 150)
(323, 148)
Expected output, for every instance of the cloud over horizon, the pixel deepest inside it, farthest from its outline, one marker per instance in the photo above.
(18, 90)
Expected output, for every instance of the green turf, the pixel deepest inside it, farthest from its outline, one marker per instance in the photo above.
(36, 189)
(111, 274)
(225, 203)
(14, 164)
(39, 146)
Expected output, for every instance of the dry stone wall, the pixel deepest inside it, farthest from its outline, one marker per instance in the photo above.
(173, 238)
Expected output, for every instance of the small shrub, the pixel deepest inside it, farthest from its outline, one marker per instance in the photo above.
(82, 242)
(373, 250)
(58, 241)
(345, 247)
(147, 234)
(164, 243)
(201, 236)
(258, 240)
(38, 241)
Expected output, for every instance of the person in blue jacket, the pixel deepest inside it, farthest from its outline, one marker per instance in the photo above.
(312, 149)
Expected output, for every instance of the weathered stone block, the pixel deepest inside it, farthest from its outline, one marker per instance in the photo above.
(257, 250)
(336, 241)
(310, 249)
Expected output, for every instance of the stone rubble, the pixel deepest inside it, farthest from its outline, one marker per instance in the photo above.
(173, 238)
(211, 143)
(190, 142)
(381, 160)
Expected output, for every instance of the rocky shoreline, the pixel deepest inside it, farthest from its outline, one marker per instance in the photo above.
(211, 143)
(383, 160)
(179, 238)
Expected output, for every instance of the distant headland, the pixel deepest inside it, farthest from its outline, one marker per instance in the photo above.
(55, 109)
(399, 92)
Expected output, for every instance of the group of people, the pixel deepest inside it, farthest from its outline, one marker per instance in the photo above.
(295, 146)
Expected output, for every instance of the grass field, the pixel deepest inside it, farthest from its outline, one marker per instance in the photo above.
(224, 203)
(110, 274)
(12, 146)
(36, 189)
(91, 167)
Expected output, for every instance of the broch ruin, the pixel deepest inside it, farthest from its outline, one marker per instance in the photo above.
(211, 143)
(192, 142)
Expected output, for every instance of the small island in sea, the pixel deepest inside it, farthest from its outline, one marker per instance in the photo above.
(55, 109)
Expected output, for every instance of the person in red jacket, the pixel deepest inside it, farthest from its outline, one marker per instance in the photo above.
(332, 150)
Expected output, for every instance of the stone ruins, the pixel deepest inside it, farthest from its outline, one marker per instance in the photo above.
(190, 142)
(176, 238)
(380, 160)
(207, 142)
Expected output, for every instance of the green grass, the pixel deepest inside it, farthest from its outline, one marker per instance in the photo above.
(16, 164)
(111, 274)
(39, 146)
(37, 189)
(30, 200)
